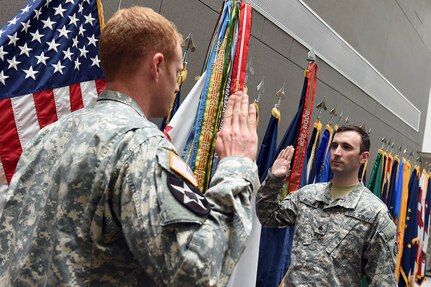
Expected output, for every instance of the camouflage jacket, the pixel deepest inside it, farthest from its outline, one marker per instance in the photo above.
(100, 198)
(335, 242)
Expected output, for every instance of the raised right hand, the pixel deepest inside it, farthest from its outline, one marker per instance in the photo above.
(281, 165)
(238, 136)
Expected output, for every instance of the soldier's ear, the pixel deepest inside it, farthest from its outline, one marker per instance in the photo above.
(156, 61)
(364, 156)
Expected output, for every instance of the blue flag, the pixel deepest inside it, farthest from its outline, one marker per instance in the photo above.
(312, 148)
(411, 232)
(326, 172)
(269, 145)
(393, 187)
(312, 151)
(320, 155)
(398, 191)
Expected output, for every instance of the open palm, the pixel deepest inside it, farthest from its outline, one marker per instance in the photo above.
(281, 165)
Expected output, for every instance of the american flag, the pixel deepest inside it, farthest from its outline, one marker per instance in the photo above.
(49, 67)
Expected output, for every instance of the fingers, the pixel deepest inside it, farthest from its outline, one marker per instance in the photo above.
(252, 117)
(291, 151)
(228, 114)
(282, 164)
(220, 146)
(237, 110)
(238, 136)
(286, 153)
(244, 112)
(281, 155)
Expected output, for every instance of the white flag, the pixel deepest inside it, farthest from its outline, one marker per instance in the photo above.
(180, 126)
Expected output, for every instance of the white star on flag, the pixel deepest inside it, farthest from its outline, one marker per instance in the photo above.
(59, 11)
(95, 61)
(13, 39)
(13, 63)
(25, 26)
(52, 45)
(92, 40)
(83, 52)
(25, 9)
(13, 21)
(68, 54)
(2, 53)
(48, 23)
(41, 58)
(30, 73)
(73, 20)
(3, 77)
(25, 50)
(63, 32)
(36, 36)
(58, 67)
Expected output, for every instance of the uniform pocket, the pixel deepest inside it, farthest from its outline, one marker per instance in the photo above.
(306, 225)
(339, 237)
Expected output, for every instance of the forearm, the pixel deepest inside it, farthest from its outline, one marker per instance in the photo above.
(270, 211)
(217, 245)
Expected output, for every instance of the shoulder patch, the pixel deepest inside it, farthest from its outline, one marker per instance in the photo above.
(188, 195)
(180, 167)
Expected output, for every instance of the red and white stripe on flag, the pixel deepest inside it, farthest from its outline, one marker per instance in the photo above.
(22, 117)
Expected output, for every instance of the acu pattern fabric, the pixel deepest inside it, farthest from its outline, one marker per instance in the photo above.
(90, 206)
(335, 242)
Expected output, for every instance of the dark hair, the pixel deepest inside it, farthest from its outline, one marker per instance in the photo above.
(365, 139)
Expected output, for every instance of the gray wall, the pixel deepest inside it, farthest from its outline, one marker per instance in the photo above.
(394, 36)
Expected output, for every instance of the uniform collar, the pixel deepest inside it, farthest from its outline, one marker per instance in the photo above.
(109, 95)
(349, 201)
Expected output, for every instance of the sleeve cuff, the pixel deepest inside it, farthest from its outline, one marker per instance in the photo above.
(238, 166)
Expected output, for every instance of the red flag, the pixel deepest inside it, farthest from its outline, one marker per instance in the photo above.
(301, 146)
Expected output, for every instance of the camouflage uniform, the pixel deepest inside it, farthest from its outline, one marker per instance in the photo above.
(93, 204)
(335, 242)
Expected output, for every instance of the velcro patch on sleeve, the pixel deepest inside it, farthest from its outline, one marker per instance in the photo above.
(180, 167)
(188, 195)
